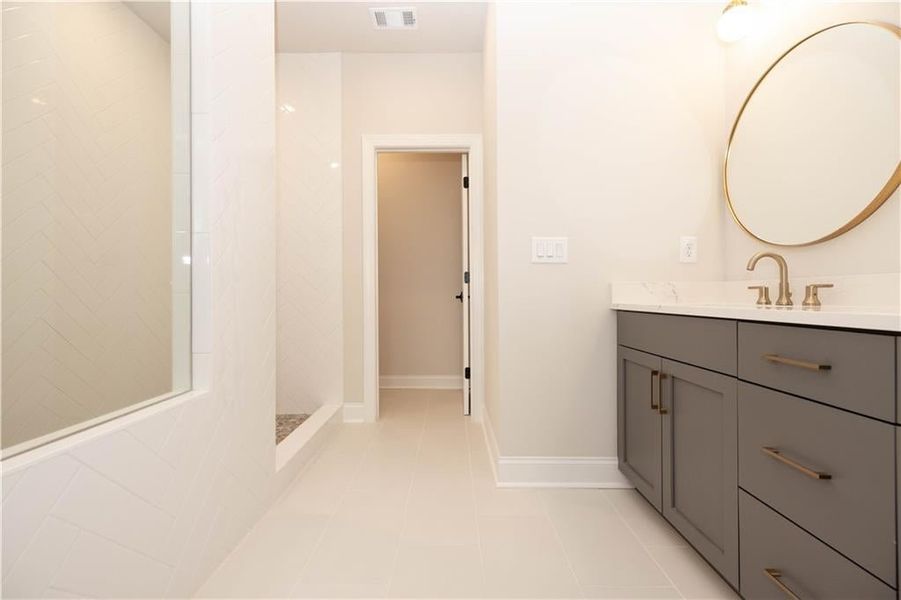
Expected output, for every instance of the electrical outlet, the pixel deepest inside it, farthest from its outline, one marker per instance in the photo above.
(688, 249)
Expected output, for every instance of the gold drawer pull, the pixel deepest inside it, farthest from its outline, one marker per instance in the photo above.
(773, 453)
(793, 362)
(775, 575)
(660, 377)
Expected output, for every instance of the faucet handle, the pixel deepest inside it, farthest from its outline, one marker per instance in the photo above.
(811, 296)
(763, 294)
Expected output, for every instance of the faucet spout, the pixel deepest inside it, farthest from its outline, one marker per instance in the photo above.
(785, 295)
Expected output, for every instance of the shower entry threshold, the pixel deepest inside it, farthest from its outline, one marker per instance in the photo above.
(299, 442)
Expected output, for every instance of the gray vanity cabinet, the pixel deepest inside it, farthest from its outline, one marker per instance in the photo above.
(677, 427)
(700, 462)
(639, 423)
(779, 558)
(775, 450)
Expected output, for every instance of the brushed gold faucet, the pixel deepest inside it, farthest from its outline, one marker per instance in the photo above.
(785, 295)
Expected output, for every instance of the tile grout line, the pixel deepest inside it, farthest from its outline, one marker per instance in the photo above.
(9, 568)
(559, 539)
(483, 576)
(646, 549)
(331, 517)
(405, 517)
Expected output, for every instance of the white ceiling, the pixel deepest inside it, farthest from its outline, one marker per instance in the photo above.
(345, 26)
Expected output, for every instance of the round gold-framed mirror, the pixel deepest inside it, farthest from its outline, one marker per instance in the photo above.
(816, 146)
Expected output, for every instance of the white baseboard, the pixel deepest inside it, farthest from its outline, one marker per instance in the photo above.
(354, 412)
(551, 471)
(421, 382)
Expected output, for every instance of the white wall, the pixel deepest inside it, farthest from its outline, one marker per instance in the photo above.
(310, 208)
(609, 131)
(148, 505)
(489, 140)
(875, 245)
(420, 265)
(393, 94)
(87, 295)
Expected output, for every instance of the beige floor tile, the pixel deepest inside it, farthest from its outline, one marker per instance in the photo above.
(382, 508)
(321, 486)
(603, 550)
(437, 572)
(268, 561)
(481, 469)
(381, 473)
(441, 495)
(360, 543)
(566, 501)
(630, 504)
(629, 593)
(339, 590)
(397, 440)
(653, 530)
(350, 438)
(455, 526)
(352, 553)
(435, 455)
(522, 558)
(691, 575)
(408, 507)
(491, 500)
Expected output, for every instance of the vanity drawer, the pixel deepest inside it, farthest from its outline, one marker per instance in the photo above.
(853, 510)
(806, 566)
(708, 343)
(856, 370)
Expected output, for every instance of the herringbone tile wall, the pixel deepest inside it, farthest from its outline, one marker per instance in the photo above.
(87, 229)
(149, 509)
(310, 309)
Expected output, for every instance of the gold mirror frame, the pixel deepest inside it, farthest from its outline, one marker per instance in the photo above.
(887, 190)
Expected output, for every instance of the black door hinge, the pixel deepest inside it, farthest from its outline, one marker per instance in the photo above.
(466, 182)
(466, 373)
(466, 277)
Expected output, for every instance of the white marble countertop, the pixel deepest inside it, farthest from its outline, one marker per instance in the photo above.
(875, 302)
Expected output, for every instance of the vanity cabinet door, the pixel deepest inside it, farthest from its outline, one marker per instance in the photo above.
(700, 462)
(639, 422)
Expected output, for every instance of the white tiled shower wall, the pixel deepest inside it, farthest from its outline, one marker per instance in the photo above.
(87, 301)
(148, 506)
(310, 310)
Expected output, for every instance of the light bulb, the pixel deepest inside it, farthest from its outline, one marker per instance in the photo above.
(735, 22)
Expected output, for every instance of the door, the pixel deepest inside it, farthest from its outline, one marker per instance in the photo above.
(700, 462)
(639, 421)
(464, 293)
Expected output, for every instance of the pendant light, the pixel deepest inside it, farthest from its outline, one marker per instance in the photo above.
(735, 22)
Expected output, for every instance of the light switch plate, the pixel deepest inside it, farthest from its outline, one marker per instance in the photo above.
(550, 250)
(688, 249)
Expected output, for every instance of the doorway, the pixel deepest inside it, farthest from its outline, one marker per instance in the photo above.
(423, 272)
(465, 289)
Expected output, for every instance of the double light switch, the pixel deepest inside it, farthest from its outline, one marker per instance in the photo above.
(550, 250)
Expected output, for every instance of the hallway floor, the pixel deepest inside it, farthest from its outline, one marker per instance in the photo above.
(407, 507)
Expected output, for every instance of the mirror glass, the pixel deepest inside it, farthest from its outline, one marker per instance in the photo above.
(816, 148)
(96, 256)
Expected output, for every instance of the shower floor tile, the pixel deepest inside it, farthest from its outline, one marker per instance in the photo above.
(285, 424)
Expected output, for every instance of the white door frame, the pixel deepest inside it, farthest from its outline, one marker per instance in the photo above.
(470, 144)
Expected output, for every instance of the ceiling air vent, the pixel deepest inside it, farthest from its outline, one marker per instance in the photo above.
(393, 18)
